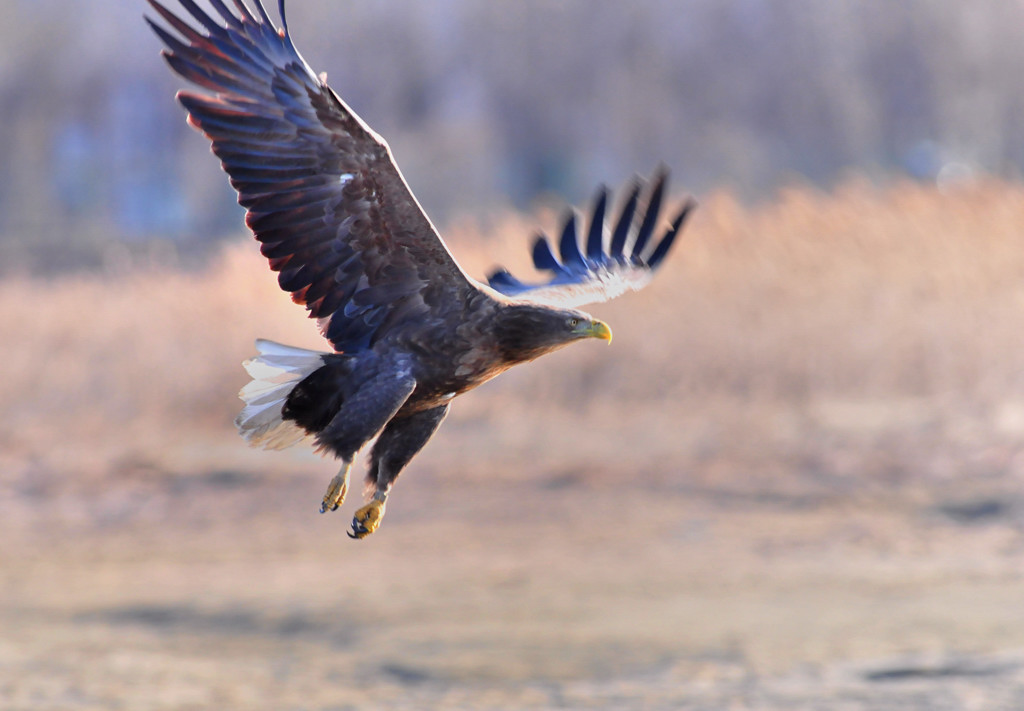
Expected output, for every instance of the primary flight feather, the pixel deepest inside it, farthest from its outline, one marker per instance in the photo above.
(338, 223)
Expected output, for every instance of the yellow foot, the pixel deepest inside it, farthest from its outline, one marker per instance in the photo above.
(367, 519)
(336, 491)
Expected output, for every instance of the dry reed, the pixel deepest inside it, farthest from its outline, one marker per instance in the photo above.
(862, 307)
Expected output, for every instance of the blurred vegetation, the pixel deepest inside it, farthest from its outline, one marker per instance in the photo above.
(486, 102)
(871, 309)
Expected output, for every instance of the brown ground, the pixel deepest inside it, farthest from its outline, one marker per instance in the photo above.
(793, 482)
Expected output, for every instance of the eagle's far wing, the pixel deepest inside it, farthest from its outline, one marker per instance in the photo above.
(323, 195)
(609, 260)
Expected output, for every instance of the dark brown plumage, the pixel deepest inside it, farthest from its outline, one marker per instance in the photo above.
(339, 225)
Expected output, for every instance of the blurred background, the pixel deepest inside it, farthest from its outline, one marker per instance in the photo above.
(794, 481)
(492, 104)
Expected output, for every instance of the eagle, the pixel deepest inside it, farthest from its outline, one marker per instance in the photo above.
(408, 328)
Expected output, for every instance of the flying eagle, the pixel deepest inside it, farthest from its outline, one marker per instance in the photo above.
(336, 220)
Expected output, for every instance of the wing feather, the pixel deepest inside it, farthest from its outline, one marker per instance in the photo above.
(323, 195)
(624, 223)
(627, 264)
(568, 245)
(651, 214)
(595, 236)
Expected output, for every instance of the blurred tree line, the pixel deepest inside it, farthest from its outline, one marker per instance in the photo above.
(489, 101)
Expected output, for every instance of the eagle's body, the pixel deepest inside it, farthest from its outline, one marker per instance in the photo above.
(410, 330)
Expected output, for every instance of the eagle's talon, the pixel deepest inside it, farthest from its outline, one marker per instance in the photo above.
(367, 519)
(336, 492)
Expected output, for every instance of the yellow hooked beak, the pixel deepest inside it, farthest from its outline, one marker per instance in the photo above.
(598, 329)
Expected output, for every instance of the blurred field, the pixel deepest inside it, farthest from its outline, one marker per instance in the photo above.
(793, 481)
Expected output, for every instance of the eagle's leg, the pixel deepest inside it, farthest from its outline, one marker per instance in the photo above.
(398, 443)
(361, 417)
(337, 489)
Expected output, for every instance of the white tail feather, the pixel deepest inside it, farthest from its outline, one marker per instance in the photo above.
(275, 372)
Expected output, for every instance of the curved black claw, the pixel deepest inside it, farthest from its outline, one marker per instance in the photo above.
(367, 519)
(358, 530)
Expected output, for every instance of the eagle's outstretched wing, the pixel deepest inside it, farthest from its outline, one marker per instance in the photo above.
(323, 195)
(608, 260)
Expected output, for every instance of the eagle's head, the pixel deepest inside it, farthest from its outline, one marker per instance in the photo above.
(526, 331)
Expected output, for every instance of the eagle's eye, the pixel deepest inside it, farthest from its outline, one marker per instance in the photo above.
(574, 322)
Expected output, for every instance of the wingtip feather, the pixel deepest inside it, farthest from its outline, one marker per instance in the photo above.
(605, 272)
(568, 245)
(651, 211)
(543, 257)
(595, 236)
(284, 17)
